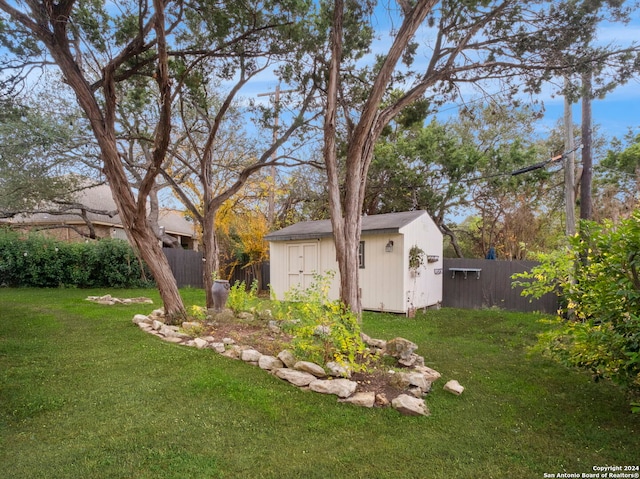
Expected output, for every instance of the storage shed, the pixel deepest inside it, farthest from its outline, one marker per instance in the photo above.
(387, 282)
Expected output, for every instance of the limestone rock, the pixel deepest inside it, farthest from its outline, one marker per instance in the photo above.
(340, 387)
(157, 325)
(245, 316)
(338, 370)
(373, 343)
(287, 358)
(364, 399)
(412, 361)
(140, 318)
(250, 355)
(381, 400)
(228, 341)
(401, 348)
(410, 406)
(172, 339)
(297, 378)
(311, 368)
(430, 375)
(454, 387)
(200, 343)
(233, 352)
(218, 347)
(418, 380)
(269, 362)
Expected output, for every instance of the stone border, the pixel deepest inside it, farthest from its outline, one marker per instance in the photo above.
(330, 379)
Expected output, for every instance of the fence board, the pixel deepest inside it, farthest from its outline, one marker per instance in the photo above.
(491, 286)
(186, 266)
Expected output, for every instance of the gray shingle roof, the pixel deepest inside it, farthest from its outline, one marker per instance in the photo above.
(374, 224)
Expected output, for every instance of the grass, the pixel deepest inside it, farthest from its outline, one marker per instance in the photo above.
(84, 393)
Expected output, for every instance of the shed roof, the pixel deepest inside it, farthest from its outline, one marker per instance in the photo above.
(374, 224)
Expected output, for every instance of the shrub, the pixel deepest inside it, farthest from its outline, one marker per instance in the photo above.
(323, 330)
(599, 280)
(240, 299)
(41, 262)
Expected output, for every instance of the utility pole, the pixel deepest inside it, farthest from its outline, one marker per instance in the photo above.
(586, 209)
(569, 169)
(274, 155)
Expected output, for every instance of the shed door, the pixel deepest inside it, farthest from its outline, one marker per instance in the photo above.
(302, 263)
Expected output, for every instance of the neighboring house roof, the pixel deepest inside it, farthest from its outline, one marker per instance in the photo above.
(99, 198)
(374, 224)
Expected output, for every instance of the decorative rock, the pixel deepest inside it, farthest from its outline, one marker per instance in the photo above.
(454, 387)
(157, 313)
(401, 348)
(269, 362)
(311, 368)
(410, 406)
(157, 325)
(272, 325)
(228, 341)
(364, 399)
(297, 378)
(200, 343)
(140, 318)
(245, 316)
(145, 326)
(265, 315)
(340, 387)
(172, 339)
(322, 330)
(250, 355)
(218, 347)
(233, 352)
(430, 375)
(418, 380)
(381, 400)
(412, 361)
(373, 343)
(338, 370)
(287, 358)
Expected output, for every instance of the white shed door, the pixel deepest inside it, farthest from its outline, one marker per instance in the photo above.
(302, 263)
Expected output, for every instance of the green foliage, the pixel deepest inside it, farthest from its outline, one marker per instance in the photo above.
(241, 299)
(41, 262)
(323, 330)
(599, 280)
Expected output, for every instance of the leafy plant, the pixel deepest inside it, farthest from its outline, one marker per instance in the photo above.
(323, 330)
(241, 299)
(416, 258)
(599, 280)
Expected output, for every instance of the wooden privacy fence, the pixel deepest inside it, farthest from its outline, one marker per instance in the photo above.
(481, 283)
(466, 283)
(186, 266)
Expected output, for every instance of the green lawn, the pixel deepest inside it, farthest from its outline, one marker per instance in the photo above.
(85, 394)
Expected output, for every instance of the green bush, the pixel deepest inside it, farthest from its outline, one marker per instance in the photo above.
(41, 262)
(322, 330)
(599, 279)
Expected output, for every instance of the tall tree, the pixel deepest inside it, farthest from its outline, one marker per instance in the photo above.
(468, 42)
(94, 52)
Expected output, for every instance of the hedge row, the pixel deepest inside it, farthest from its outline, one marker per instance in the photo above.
(41, 262)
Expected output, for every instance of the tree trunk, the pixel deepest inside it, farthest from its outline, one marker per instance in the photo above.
(211, 264)
(102, 117)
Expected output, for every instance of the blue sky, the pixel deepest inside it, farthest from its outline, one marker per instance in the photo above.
(613, 116)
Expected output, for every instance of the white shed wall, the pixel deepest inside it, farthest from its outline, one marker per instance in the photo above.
(385, 281)
(424, 289)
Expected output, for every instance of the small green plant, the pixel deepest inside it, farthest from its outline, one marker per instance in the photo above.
(323, 330)
(240, 299)
(416, 258)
